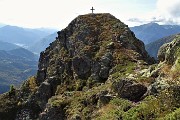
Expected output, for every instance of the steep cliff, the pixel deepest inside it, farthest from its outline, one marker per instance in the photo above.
(95, 69)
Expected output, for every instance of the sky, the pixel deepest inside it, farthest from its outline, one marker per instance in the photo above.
(59, 13)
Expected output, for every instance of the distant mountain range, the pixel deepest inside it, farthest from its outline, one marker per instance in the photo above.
(16, 65)
(43, 43)
(152, 48)
(151, 32)
(2, 25)
(24, 37)
(7, 46)
(13, 49)
(23, 53)
(16, 62)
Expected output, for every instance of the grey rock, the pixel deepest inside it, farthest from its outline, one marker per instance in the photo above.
(44, 93)
(103, 100)
(162, 52)
(82, 67)
(104, 72)
(167, 52)
(129, 89)
(106, 59)
(53, 113)
(159, 85)
(122, 38)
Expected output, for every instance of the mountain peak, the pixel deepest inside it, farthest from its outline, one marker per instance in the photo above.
(153, 23)
(91, 28)
(86, 54)
(151, 32)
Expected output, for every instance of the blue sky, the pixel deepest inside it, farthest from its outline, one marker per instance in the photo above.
(58, 13)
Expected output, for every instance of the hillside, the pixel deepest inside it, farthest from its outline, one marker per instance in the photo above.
(42, 44)
(152, 31)
(23, 53)
(21, 36)
(15, 67)
(152, 48)
(97, 69)
(7, 46)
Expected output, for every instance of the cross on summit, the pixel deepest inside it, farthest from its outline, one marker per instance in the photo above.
(92, 9)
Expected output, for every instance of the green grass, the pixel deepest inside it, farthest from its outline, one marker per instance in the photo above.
(175, 115)
(122, 70)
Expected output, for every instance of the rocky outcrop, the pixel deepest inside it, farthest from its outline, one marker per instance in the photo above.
(129, 89)
(168, 69)
(85, 50)
(170, 52)
(153, 47)
(78, 66)
(82, 44)
(53, 113)
(81, 67)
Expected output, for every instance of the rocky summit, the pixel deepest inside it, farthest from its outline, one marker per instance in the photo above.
(96, 69)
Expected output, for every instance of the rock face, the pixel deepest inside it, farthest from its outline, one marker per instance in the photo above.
(86, 47)
(86, 50)
(78, 65)
(167, 76)
(170, 52)
(81, 67)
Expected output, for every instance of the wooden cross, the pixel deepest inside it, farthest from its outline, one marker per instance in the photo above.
(92, 9)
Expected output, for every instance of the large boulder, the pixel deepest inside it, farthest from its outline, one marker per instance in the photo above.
(53, 113)
(129, 89)
(82, 67)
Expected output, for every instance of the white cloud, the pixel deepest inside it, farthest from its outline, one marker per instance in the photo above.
(166, 12)
(169, 10)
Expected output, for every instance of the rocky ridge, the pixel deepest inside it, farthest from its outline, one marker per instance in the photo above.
(153, 47)
(95, 69)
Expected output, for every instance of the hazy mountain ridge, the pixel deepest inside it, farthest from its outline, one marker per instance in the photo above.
(17, 63)
(22, 36)
(24, 53)
(2, 25)
(152, 31)
(7, 46)
(43, 43)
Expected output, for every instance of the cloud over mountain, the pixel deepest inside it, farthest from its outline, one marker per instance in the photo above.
(166, 12)
(169, 10)
(169, 7)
